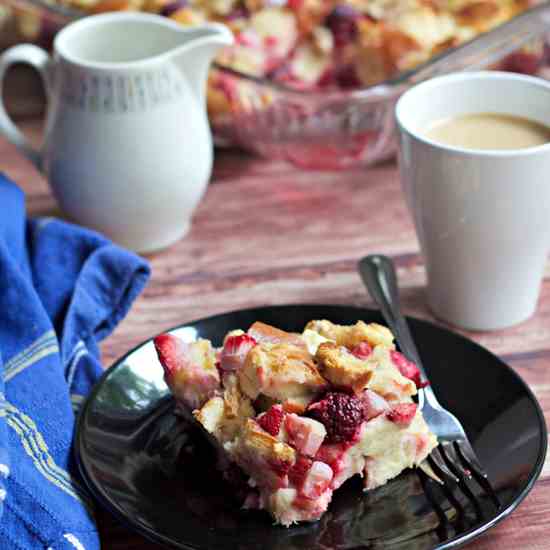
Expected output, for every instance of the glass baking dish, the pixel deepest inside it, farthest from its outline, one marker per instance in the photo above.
(324, 130)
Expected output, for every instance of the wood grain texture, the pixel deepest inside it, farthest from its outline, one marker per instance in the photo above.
(267, 233)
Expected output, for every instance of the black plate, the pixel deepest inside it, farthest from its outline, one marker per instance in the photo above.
(156, 474)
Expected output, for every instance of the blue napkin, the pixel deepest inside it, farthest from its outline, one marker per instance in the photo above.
(62, 289)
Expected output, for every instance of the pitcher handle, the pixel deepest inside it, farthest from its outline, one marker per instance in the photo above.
(40, 60)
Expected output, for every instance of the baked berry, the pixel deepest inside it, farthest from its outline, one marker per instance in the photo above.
(340, 413)
(317, 480)
(347, 77)
(342, 21)
(402, 414)
(234, 352)
(373, 404)
(272, 420)
(362, 350)
(304, 434)
(407, 368)
(297, 474)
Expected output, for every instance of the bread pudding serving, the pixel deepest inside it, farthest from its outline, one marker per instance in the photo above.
(293, 416)
(320, 44)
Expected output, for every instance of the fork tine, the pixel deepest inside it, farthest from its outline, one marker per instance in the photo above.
(449, 483)
(441, 469)
(469, 458)
(444, 524)
(452, 460)
(470, 461)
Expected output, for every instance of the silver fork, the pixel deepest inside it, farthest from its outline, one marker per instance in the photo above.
(454, 459)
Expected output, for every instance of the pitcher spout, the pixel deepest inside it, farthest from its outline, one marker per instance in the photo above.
(194, 56)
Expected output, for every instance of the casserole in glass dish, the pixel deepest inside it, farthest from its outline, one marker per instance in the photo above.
(315, 81)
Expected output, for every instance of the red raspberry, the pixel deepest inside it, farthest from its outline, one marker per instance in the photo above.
(342, 21)
(347, 77)
(298, 472)
(407, 368)
(402, 414)
(362, 350)
(271, 420)
(340, 413)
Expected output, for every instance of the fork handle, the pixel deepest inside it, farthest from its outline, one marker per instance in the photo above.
(378, 274)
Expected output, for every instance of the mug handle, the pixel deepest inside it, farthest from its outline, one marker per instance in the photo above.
(40, 60)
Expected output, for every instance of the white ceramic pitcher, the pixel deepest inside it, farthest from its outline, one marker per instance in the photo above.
(127, 147)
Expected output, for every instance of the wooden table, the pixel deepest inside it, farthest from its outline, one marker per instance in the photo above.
(267, 233)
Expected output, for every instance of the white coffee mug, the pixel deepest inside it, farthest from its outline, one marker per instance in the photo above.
(482, 216)
(127, 147)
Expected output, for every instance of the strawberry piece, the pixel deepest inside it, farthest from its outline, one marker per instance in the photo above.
(340, 413)
(171, 352)
(234, 352)
(362, 350)
(331, 454)
(373, 404)
(305, 434)
(407, 368)
(335, 456)
(297, 474)
(317, 480)
(402, 414)
(189, 369)
(272, 420)
(280, 467)
(295, 5)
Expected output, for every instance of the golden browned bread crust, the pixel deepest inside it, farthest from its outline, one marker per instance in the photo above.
(387, 381)
(259, 444)
(353, 335)
(342, 369)
(280, 372)
(265, 333)
(224, 416)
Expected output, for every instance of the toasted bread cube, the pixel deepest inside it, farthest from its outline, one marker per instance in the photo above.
(343, 369)
(281, 372)
(263, 456)
(352, 335)
(386, 380)
(267, 334)
(223, 417)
